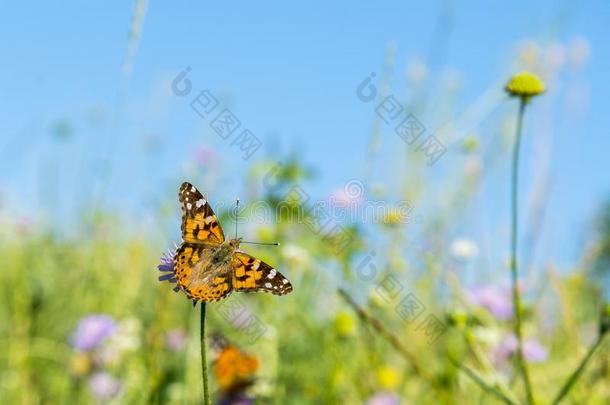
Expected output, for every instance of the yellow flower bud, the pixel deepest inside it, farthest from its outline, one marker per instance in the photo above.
(345, 324)
(524, 85)
(388, 377)
(80, 364)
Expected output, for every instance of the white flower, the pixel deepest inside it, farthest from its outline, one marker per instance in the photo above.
(487, 336)
(295, 254)
(464, 249)
(126, 338)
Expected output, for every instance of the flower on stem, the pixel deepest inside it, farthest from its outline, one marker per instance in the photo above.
(524, 85)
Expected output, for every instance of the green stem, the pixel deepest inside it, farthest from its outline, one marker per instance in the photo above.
(204, 363)
(576, 374)
(482, 383)
(513, 263)
(386, 334)
(499, 389)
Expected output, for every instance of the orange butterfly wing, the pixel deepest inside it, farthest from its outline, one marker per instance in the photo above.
(251, 274)
(199, 223)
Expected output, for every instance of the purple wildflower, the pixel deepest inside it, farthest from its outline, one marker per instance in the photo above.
(495, 299)
(383, 398)
(533, 351)
(104, 386)
(92, 331)
(167, 267)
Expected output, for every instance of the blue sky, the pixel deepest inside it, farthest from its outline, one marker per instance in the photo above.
(289, 72)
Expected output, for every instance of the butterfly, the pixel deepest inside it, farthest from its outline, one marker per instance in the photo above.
(234, 369)
(206, 266)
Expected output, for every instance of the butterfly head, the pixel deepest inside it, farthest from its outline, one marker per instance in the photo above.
(234, 243)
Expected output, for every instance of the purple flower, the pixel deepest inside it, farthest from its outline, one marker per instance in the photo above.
(496, 300)
(92, 331)
(383, 398)
(167, 267)
(175, 340)
(104, 386)
(533, 351)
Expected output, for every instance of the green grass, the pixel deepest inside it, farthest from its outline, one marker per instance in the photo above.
(315, 347)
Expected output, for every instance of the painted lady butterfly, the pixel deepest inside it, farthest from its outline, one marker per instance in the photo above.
(206, 266)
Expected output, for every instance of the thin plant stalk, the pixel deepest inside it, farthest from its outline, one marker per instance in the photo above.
(402, 350)
(513, 262)
(204, 363)
(385, 333)
(485, 386)
(570, 382)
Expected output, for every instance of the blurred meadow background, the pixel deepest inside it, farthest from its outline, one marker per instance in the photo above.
(108, 107)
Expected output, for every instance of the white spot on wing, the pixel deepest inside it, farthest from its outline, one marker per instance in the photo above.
(193, 189)
(272, 274)
(268, 285)
(200, 202)
(189, 206)
(285, 281)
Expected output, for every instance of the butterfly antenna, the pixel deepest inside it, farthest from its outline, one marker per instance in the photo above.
(236, 214)
(261, 243)
(250, 243)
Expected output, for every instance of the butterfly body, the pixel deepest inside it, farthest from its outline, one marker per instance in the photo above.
(226, 250)
(207, 267)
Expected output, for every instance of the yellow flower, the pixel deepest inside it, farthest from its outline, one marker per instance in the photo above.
(458, 318)
(339, 377)
(80, 364)
(345, 324)
(388, 377)
(394, 216)
(470, 144)
(524, 85)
